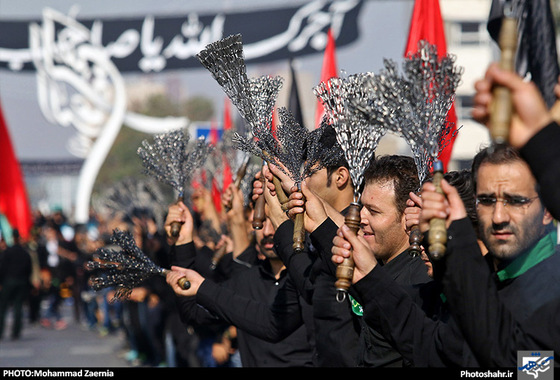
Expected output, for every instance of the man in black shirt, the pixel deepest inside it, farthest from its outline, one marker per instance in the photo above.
(251, 280)
(495, 330)
(498, 315)
(388, 182)
(15, 272)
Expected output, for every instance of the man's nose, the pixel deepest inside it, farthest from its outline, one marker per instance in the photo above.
(500, 214)
(268, 228)
(364, 213)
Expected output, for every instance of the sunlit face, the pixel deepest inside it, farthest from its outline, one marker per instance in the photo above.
(318, 182)
(508, 230)
(384, 229)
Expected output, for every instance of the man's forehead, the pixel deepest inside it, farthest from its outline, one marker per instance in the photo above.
(373, 189)
(319, 172)
(510, 177)
(380, 184)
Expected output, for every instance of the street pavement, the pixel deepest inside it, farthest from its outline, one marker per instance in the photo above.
(74, 346)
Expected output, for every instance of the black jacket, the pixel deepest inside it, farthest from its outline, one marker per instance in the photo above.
(530, 324)
(15, 263)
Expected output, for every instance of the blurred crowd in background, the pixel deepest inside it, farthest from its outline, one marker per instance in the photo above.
(55, 279)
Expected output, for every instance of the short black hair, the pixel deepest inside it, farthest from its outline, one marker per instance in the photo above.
(498, 154)
(328, 140)
(401, 170)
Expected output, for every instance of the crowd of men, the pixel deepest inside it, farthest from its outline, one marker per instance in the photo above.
(495, 292)
(44, 282)
(255, 302)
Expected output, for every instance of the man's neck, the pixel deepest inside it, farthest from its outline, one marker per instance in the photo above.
(277, 266)
(343, 200)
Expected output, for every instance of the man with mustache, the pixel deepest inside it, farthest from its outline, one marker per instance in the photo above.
(519, 278)
(261, 281)
(494, 328)
(519, 274)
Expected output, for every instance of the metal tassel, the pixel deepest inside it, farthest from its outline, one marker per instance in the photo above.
(124, 268)
(358, 138)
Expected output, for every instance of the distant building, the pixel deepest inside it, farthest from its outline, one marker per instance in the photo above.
(51, 185)
(468, 39)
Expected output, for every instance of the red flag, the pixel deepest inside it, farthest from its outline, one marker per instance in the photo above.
(215, 192)
(228, 176)
(273, 123)
(13, 194)
(216, 196)
(427, 24)
(328, 71)
(227, 115)
(214, 136)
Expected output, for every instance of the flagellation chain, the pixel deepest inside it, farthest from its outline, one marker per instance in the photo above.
(414, 104)
(171, 160)
(358, 139)
(124, 267)
(297, 152)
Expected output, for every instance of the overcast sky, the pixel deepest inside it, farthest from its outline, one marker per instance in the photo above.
(383, 28)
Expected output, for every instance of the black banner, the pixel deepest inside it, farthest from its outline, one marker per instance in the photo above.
(154, 44)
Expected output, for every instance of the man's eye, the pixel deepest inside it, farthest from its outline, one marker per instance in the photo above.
(517, 201)
(486, 201)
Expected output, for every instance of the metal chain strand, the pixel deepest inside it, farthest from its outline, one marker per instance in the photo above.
(170, 159)
(355, 134)
(254, 98)
(296, 151)
(358, 140)
(124, 268)
(290, 146)
(131, 195)
(413, 104)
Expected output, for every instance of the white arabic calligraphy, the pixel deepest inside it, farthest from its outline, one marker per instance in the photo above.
(79, 86)
(306, 27)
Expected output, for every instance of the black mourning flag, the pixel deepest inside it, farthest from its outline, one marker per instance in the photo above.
(536, 51)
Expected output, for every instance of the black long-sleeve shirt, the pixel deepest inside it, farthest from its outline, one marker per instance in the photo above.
(486, 310)
(498, 318)
(543, 156)
(337, 330)
(407, 272)
(490, 311)
(343, 337)
(253, 283)
(423, 334)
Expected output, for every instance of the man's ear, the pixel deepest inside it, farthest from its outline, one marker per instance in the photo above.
(342, 177)
(547, 217)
